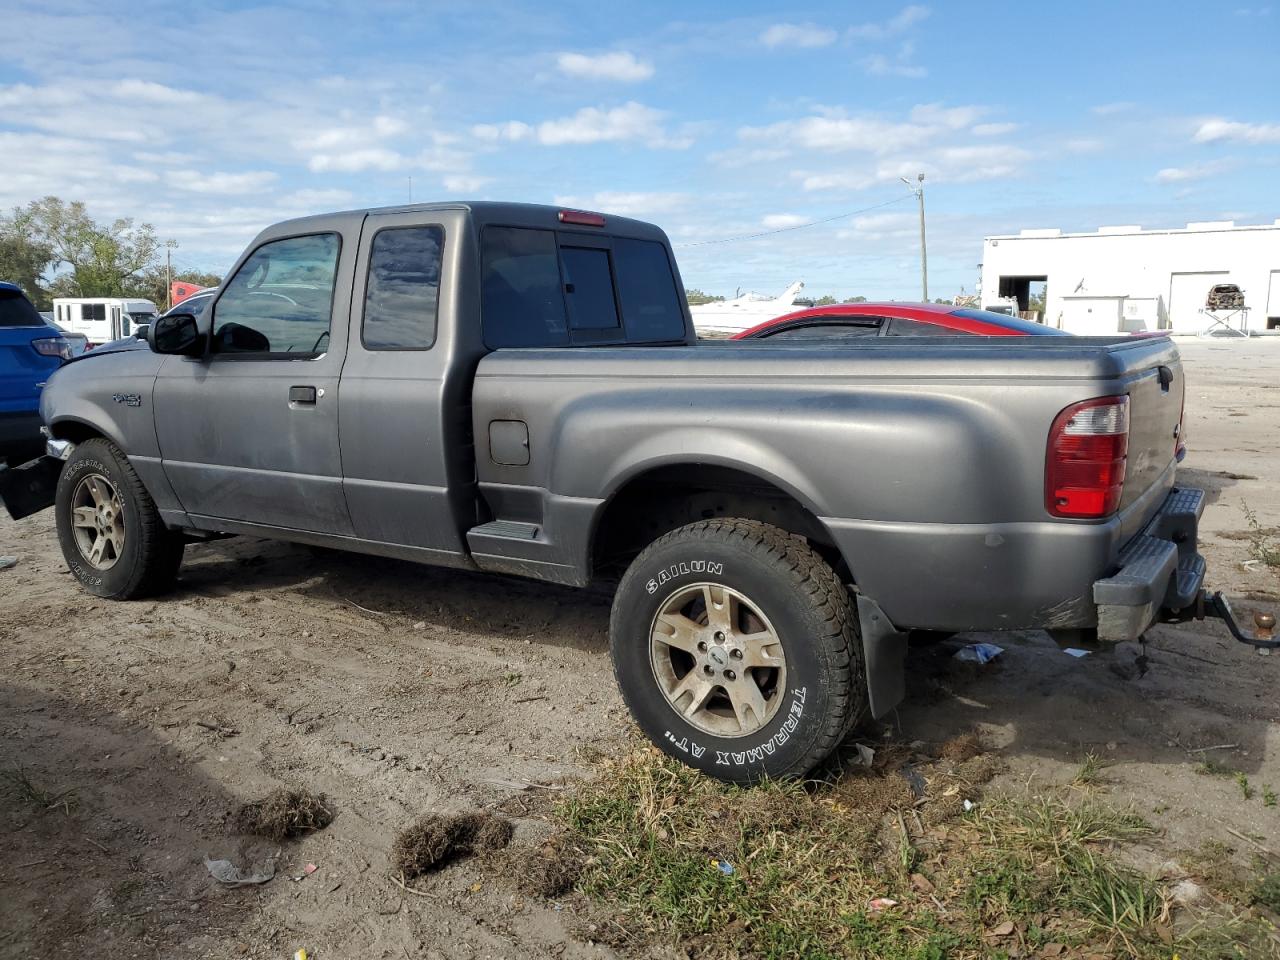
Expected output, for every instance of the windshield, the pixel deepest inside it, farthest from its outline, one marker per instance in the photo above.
(142, 317)
(17, 311)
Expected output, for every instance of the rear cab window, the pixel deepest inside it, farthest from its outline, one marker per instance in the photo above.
(543, 288)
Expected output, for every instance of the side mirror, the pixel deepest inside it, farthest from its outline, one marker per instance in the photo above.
(176, 333)
(140, 331)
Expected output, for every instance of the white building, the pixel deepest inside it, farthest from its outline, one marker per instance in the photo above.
(1127, 278)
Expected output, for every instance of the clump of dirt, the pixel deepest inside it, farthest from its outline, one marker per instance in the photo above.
(547, 871)
(870, 796)
(948, 790)
(436, 838)
(964, 746)
(283, 814)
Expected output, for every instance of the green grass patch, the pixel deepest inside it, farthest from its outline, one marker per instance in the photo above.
(1263, 543)
(1090, 772)
(792, 870)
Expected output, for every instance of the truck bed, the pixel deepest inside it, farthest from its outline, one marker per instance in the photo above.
(922, 459)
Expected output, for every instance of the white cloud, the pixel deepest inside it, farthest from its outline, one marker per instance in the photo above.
(880, 226)
(1084, 145)
(797, 35)
(628, 204)
(833, 130)
(250, 181)
(994, 129)
(965, 163)
(833, 181)
(357, 161)
(464, 183)
(904, 20)
(840, 133)
(878, 65)
(619, 65)
(144, 91)
(512, 130)
(971, 163)
(353, 135)
(1218, 128)
(780, 221)
(1110, 109)
(631, 121)
(1196, 171)
(953, 118)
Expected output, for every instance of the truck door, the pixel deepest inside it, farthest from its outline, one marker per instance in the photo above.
(404, 419)
(249, 432)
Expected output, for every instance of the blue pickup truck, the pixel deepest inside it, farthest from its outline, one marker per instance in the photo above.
(30, 350)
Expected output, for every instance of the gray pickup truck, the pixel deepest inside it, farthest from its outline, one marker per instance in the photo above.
(518, 389)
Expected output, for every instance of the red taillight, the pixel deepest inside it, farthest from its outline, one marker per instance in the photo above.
(582, 218)
(1084, 471)
(52, 347)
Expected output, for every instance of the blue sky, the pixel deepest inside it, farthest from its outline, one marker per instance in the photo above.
(713, 120)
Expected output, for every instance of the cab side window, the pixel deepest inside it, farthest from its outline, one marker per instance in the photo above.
(280, 301)
(402, 294)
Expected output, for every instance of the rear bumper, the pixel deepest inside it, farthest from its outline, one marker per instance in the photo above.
(1160, 569)
(30, 488)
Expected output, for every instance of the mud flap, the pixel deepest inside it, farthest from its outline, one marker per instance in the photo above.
(29, 488)
(884, 649)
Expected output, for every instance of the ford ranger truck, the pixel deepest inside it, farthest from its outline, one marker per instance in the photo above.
(518, 389)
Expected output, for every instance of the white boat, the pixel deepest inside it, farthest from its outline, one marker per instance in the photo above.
(727, 317)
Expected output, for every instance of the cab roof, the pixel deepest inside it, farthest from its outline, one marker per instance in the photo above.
(538, 215)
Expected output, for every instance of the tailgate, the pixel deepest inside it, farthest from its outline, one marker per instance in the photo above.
(1155, 391)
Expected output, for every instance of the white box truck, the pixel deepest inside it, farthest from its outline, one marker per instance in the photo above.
(102, 319)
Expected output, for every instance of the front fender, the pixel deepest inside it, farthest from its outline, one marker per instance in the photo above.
(110, 395)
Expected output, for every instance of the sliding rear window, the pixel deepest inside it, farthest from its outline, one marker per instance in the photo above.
(541, 289)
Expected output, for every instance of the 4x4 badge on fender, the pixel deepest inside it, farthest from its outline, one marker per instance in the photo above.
(128, 399)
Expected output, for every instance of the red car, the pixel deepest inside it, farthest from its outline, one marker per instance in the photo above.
(844, 320)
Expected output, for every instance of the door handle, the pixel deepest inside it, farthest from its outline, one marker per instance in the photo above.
(305, 395)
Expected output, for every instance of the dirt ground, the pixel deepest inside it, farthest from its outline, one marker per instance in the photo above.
(399, 690)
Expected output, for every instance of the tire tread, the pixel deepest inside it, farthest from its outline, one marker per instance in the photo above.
(812, 576)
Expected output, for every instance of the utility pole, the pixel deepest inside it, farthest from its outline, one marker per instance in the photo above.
(924, 256)
(169, 247)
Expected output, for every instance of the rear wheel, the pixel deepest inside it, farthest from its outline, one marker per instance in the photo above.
(735, 647)
(111, 534)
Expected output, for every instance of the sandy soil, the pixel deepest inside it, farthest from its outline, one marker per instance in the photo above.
(399, 690)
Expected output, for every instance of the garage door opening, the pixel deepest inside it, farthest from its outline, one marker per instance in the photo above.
(1030, 293)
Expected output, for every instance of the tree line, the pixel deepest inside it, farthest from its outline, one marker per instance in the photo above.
(52, 248)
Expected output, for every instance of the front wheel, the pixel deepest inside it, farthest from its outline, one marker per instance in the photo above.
(736, 649)
(111, 534)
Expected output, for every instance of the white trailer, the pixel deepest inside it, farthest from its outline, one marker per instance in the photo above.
(102, 319)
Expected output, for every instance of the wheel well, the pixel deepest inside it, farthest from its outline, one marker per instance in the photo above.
(75, 431)
(660, 500)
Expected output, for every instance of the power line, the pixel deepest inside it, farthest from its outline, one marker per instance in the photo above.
(798, 226)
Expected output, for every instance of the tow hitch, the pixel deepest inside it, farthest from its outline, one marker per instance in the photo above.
(1216, 605)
